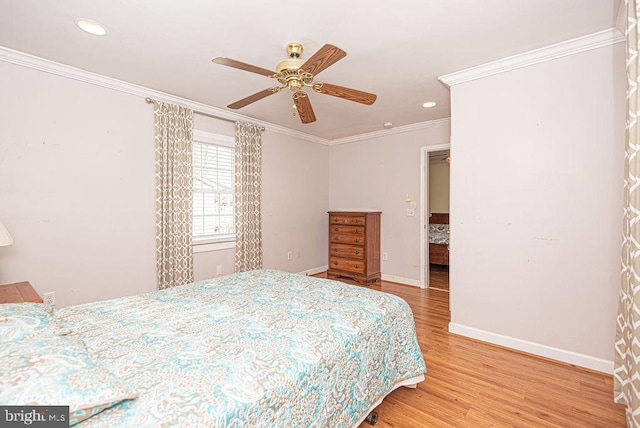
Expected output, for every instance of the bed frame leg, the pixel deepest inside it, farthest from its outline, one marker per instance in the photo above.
(372, 418)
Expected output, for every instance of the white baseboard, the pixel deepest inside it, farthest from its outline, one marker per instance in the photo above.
(570, 357)
(314, 270)
(401, 280)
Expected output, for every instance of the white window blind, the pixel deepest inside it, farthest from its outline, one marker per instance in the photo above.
(213, 189)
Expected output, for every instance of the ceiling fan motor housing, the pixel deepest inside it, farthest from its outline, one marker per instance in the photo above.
(289, 64)
(290, 75)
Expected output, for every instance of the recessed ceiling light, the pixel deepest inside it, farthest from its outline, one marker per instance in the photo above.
(429, 104)
(91, 27)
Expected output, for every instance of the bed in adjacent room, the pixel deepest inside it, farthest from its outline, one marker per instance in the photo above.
(439, 239)
(260, 348)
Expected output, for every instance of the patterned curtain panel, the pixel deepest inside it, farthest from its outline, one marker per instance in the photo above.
(627, 349)
(174, 194)
(248, 224)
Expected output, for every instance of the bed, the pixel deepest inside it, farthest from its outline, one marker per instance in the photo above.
(439, 239)
(261, 348)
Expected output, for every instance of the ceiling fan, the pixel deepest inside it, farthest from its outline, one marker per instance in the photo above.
(440, 157)
(295, 74)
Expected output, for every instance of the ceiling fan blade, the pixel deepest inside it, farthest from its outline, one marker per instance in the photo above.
(346, 93)
(243, 66)
(325, 57)
(305, 111)
(253, 98)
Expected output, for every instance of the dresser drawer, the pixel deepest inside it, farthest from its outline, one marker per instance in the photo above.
(348, 265)
(356, 230)
(350, 251)
(347, 219)
(346, 238)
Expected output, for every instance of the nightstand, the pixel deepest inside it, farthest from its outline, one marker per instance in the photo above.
(18, 292)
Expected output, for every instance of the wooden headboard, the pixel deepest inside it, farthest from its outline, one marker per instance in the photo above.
(439, 218)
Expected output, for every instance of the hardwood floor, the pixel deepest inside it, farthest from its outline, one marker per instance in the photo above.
(474, 384)
(439, 277)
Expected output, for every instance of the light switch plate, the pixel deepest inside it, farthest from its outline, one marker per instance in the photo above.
(408, 197)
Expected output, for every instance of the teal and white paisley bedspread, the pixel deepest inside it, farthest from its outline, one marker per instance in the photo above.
(260, 348)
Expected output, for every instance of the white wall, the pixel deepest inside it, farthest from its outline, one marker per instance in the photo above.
(77, 191)
(295, 198)
(376, 174)
(536, 203)
(439, 187)
(76, 187)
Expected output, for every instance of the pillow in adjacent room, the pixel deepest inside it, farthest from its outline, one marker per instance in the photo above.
(25, 320)
(57, 370)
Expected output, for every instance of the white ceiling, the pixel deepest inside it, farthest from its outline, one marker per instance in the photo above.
(395, 49)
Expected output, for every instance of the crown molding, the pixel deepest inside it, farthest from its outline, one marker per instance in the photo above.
(548, 53)
(52, 67)
(397, 130)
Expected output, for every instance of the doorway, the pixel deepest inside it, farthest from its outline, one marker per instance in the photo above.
(434, 216)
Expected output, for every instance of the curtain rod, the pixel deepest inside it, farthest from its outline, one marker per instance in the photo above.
(151, 100)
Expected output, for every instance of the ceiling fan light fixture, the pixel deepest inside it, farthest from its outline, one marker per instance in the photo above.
(429, 104)
(91, 27)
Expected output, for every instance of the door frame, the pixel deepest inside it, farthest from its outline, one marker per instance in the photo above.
(424, 208)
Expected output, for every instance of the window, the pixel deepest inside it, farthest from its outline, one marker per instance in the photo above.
(213, 188)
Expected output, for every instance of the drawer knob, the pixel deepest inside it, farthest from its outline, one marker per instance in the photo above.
(336, 229)
(357, 240)
(356, 266)
(335, 263)
(335, 239)
(357, 252)
(357, 231)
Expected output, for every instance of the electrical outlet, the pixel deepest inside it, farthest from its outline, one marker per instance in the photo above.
(218, 270)
(410, 212)
(385, 256)
(290, 255)
(50, 298)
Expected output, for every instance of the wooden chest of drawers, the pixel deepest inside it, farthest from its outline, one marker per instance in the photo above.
(354, 246)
